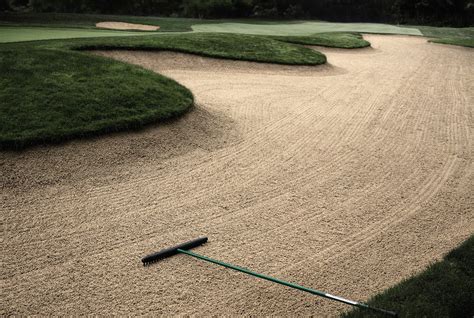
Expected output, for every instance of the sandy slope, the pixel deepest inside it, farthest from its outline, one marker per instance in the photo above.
(346, 178)
(126, 26)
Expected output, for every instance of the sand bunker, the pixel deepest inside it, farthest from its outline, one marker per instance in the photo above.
(126, 26)
(347, 179)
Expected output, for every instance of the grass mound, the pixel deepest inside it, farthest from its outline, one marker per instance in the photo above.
(52, 95)
(445, 289)
(467, 42)
(227, 46)
(49, 92)
(336, 40)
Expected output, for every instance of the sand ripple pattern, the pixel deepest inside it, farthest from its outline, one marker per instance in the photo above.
(346, 178)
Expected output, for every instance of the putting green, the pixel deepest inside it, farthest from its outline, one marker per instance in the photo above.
(21, 34)
(304, 28)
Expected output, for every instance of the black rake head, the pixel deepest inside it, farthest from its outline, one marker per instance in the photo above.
(172, 250)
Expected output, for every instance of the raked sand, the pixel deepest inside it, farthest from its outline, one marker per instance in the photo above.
(346, 178)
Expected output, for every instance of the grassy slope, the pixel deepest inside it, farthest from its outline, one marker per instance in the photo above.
(445, 289)
(337, 40)
(75, 94)
(453, 36)
(467, 42)
(228, 46)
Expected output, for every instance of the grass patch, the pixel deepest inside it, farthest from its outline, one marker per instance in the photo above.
(445, 289)
(453, 36)
(438, 32)
(22, 34)
(227, 46)
(302, 28)
(336, 40)
(467, 42)
(52, 95)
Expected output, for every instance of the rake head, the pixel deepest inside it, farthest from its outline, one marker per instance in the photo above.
(173, 250)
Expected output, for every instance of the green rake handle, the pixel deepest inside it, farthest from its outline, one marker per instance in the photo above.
(288, 284)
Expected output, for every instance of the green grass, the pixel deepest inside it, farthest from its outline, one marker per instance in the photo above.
(337, 40)
(89, 20)
(52, 95)
(22, 34)
(445, 289)
(453, 36)
(243, 26)
(467, 42)
(227, 46)
(303, 28)
(439, 32)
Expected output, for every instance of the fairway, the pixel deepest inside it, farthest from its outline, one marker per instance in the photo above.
(346, 177)
(20, 34)
(304, 28)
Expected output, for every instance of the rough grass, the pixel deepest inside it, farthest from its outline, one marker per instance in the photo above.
(441, 32)
(445, 289)
(453, 36)
(336, 40)
(51, 95)
(227, 46)
(467, 42)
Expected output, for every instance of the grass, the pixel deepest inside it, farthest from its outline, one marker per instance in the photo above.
(21, 34)
(302, 28)
(74, 95)
(50, 91)
(445, 289)
(453, 36)
(467, 42)
(227, 46)
(243, 26)
(439, 32)
(89, 20)
(337, 40)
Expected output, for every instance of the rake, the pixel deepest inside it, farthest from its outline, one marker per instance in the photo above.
(185, 247)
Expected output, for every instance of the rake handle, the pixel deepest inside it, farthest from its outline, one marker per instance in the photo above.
(288, 284)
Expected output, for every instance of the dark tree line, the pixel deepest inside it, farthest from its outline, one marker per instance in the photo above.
(434, 12)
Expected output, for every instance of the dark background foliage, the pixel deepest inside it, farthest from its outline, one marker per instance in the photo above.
(429, 12)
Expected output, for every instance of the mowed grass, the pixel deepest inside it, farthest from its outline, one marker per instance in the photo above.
(303, 28)
(336, 40)
(52, 95)
(22, 34)
(445, 289)
(69, 20)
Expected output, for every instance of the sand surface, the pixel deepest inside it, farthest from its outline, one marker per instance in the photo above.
(126, 26)
(346, 178)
